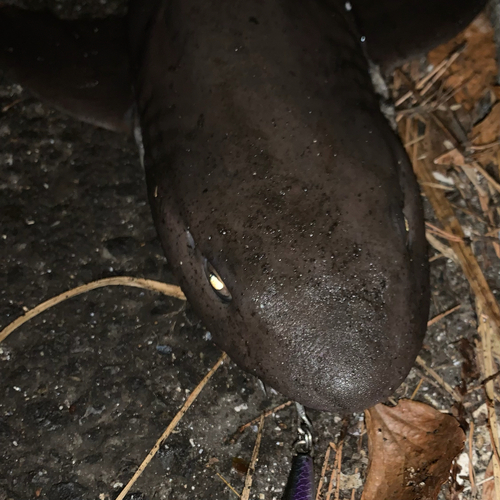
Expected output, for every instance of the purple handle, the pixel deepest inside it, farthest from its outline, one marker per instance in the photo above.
(300, 483)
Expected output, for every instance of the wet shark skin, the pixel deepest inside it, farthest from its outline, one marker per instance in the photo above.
(267, 155)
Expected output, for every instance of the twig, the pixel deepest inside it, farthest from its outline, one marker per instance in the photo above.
(491, 377)
(442, 315)
(480, 483)
(436, 185)
(486, 332)
(484, 200)
(487, 176)
(228, 484)
(157, 286)
(444, 212)
(189, 401)
(12, 104)
(417, 388)
(472, 474)
(234, 437)
(245, 494)
(440, 232)
(438, 70)
(443, 249)
(335, 475)
(323, 473)
(441, 71)
(353, 491)
(447, 387)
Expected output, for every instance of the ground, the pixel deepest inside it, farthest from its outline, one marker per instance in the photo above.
(87, 387)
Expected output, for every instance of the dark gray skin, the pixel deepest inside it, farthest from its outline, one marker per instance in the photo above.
(267, 156)
(396, 30)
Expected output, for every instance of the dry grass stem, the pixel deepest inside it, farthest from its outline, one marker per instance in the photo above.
(228, 484)
(440, 69)
(440, 232)
(323, 473)
(257, 420)
(426, 86)
(335, 475)
(442, 248)
(493, 183)
(486, 332)
(448, 189)
(445, 214)
(447, 387)
(472, 474)
(442, 315)
(156, 286)
(353, 491)
(417, 388)
(245, 494)
(12, 104)
(189, 401)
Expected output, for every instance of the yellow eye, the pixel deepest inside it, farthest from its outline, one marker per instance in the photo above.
(217, 284)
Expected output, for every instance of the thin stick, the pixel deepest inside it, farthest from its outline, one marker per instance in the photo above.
(12, 104)
(436, 185)
(156, 286)
(333, 475)
(417, 388)
(442, 248)
(403, 98)
(245, 494)
(487, 176)
(338, 462)
(445, 63)
(440, 72)
(323, 472)
(447, 387)
(171, 426)
(353, 491)
(487, 331)
(440, 232)
(480, 483)
(472, 474)
(442, 315)
(257, 419)
(228, 485)
(336, 472)
(444, 212)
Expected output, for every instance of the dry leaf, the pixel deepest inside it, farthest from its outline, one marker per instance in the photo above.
(411, 448)
(489, 487)
(487, 132)
(475, 69)
(452, 157)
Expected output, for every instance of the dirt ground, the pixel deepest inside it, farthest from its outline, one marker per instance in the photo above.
(87, 387)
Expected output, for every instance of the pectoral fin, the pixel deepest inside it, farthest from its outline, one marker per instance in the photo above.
(80, 67)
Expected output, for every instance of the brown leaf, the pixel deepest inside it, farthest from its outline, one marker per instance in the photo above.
(411, 448)
(489, 486)
(486, 133)
(239, 465)
(452, 157)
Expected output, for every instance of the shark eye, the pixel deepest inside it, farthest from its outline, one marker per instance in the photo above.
(217, 284)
